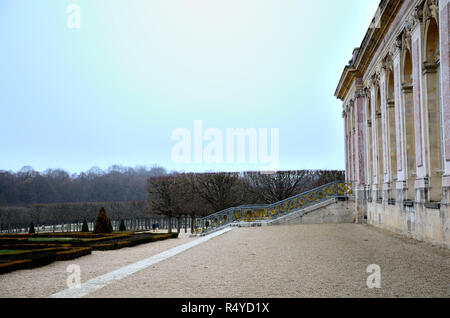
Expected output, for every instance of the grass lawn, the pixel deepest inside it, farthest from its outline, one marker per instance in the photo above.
(9, 251)
(46, 239)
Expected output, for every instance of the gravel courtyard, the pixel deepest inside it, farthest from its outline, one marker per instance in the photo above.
(328, 260)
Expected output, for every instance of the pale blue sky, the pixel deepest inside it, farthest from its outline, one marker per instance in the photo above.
(113, 91)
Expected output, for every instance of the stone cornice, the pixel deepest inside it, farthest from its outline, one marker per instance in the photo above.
(369, 45)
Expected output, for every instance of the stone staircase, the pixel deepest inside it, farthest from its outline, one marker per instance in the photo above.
(330, 203)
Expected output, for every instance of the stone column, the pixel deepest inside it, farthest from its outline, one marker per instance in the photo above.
(368, 141)
(384, 137)
(360, 156)
(368, 144)
(374, 142)
(444, 18)
(347, 150)
(349, 143)
(352, 140)
(360, 153)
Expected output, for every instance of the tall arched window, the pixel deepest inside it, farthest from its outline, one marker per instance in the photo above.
(379, 143)
(408, 123)
(391, 130)
(431, 100)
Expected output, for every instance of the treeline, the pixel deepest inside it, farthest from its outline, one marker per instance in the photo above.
(118, 183)
(12, 217)
(128, 193)
(201, 194)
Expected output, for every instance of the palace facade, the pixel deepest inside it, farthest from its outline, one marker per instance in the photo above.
(396, 109)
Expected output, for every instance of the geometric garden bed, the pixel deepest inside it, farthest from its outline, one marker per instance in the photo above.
(24, 251)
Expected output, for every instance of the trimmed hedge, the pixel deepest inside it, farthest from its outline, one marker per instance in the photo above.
(37, 258)
(103, 223)
(7, 240)
(153, 238)
(78, 241)
(60, 234)
(133, 242)
(31, 246)
(122, 226)
(73, 253)
(14, 265)
(31, 230)
(31, 255)
(85, 227)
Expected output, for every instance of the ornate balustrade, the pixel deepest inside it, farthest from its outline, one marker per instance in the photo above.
(265, 212)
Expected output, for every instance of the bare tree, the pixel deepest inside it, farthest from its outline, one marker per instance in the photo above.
(165, 196)
(327, 176)
(270, 188)
(221, 190)
(192, 204)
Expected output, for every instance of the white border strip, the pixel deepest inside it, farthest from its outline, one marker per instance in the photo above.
(99, 282)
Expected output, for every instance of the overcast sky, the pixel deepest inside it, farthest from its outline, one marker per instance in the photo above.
(114, 90)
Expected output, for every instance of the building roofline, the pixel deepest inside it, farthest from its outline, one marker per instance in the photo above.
(362, 56)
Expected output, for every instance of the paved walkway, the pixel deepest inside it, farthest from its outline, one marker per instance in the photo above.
(278, 261)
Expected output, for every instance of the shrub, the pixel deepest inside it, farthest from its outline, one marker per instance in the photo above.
(31, 231)
(122, 226)
(85, 227)
(103, 224)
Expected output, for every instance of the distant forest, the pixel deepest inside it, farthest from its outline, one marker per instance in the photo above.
(118, 183)
(55, 197)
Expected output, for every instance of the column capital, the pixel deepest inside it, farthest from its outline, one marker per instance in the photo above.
(395, 50)
(346, 109)
(406, 39)
(418, 14)
(387, 62)
(375, 79)
(430, 10)
(361, 92)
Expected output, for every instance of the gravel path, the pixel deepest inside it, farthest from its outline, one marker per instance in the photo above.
(47, 280)
(328, 260)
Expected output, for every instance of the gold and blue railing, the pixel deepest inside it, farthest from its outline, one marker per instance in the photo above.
(266, 212)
